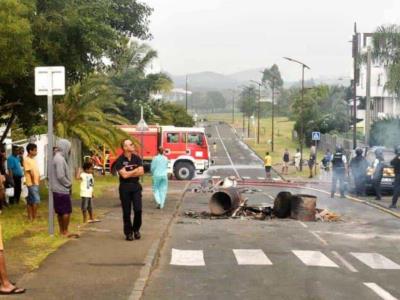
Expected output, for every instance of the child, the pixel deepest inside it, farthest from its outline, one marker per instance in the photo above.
(87, 183)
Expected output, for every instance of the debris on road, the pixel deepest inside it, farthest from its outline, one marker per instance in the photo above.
(325, 215)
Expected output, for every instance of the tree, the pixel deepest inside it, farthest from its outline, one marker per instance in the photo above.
(272, 77)
(90, 111)
(78, 34)
(248, 100)
(386, 49)
(215, 100)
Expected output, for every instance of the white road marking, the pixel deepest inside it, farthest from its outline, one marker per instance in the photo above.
(376, 261)
(261, 178)
(314, 258)
(380, 291)
(246, 177)
(216, 177)
(251, 257)
(344, 262)
(303, 224)
(227, 153)
(187, 257)
(325, 243)
(268, 195)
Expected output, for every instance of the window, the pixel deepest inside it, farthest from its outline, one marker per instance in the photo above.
(195, 138)
(172, 138)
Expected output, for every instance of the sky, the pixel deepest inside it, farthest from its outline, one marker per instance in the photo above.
(225, 36)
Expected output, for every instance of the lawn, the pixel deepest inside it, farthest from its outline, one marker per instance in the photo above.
(29, 241)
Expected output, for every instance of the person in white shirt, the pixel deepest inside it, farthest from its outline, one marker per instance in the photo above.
(86, 192)
(297, 158)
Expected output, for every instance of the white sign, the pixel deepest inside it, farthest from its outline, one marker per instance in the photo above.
(49, 79)
(316, 136)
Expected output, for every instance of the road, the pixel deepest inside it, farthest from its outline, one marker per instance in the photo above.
(357, 258)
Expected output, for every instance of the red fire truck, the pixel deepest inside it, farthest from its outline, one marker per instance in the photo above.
(185, 147)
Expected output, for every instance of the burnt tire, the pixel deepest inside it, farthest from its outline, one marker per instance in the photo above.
(184, 171)
(282, 205)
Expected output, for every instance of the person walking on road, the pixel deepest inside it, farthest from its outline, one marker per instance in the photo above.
(86, 191)
(286, 159)
(297, 158)
(130, 167)
(32, 178)
(62, 187)
(159, 172)
(396, 165)
(268, 165)
(311, 161)
(377, 174)
(326, 161)
(15, 170)
(358, 166)
(339, 162)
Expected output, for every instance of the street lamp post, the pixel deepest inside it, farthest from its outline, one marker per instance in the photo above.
(303, 66)
(186, 94)
(258, 109)
(142, 127)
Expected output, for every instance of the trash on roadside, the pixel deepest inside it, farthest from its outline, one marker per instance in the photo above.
(325, 215)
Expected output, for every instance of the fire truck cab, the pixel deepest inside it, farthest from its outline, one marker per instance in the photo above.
(185, 147)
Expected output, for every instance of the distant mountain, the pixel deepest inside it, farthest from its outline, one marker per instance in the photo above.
(209, 81)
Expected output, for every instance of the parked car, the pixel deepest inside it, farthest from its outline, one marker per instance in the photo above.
(388, 171)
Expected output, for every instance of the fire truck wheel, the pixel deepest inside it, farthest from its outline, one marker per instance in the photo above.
(184, 171)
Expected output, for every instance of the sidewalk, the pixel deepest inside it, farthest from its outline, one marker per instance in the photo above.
(101, 264)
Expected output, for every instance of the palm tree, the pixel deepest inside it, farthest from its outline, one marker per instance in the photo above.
(90, 111)
(386, 49)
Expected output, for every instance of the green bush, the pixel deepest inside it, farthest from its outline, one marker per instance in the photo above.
(385, 132)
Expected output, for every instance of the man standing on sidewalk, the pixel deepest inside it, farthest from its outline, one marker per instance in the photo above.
(339, 162)
(130, 167)
(15, 170)
(61, 187)
(396, 165)
(32, 177)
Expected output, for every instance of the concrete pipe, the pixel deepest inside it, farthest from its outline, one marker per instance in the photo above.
(224, 201)
(303, 207)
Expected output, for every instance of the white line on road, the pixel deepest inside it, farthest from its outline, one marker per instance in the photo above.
(303, 224)
(376, 261)
(380, 291)
(314, 258)
(227, 153)
(187, 257)
(325, 243)
(251, 257)
(344, 262)
(246, 177)
(216, 177)
(261, 178)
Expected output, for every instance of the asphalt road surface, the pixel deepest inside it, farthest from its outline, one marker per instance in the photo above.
(357, 258)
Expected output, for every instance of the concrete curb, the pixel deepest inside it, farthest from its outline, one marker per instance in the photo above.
(153, 254)
(354, 199)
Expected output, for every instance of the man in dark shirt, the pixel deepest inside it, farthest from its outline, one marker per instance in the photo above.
(396, 165)
(130, 167)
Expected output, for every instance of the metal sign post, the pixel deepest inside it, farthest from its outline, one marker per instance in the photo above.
(50, 81)
(316, 136)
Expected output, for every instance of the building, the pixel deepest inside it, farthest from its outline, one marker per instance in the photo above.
(176, 95)
(383, 104)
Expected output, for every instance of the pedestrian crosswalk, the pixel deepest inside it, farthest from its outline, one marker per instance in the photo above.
(309, 258)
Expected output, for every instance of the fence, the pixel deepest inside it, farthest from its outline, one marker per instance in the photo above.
(75, 160)
(329, 141)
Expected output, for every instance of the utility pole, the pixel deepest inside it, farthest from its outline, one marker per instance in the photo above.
(258, 109)
(186, 94)
(304, 66)
(368, 94)
(233, 109)
(273, 114)
(355, 80)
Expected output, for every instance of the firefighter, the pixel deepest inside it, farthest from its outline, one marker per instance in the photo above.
(358, 167)
(396, 165)
(377, 173)
(339, 162)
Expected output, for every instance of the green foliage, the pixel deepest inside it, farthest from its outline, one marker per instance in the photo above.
(78, 34)
(386, 49)
(248, 100)
(90, 111)
(323, 109)
(272, 77)
(385, 132)
(172, 114)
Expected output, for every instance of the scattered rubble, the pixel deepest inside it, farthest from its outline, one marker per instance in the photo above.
(227, 201)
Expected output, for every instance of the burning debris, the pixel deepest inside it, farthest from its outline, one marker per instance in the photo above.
(227, 201)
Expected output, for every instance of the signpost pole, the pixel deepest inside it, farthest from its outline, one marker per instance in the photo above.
(50, 151)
